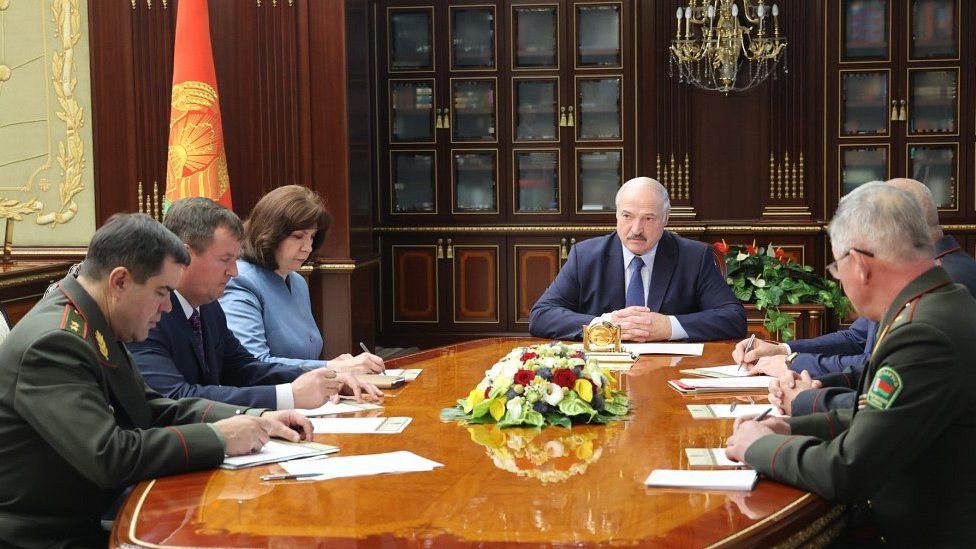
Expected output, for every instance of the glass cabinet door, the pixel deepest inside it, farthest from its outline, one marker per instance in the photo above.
(472, 37)
(414, 181)
(866, 31)
(475, 181)
(536, 32)
(411, 110)
(935, 166)
(537, 181)
(933, 101)
(861, 164)
(934, 29)
(474, 109)
(536, 104)
(598, 35)
(598, 108)
(411, 39)
(864, 103)
(599, 174)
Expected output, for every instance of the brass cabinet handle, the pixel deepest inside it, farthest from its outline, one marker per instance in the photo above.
(446, 121)
(563, 250)
(562, 117)
(570, 118)
(450, 249)
(904, 111)
(894, 110)
(440, 248)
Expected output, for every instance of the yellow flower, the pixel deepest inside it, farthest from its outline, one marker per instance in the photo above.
(585, 450)
(584, 389)
(497, 408)
(474, 397)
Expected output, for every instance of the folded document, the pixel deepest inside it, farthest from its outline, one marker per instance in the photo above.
(715, 411)
(359, 425)
(744, 479)
(275, 451)
(356, 466)
(721, 385)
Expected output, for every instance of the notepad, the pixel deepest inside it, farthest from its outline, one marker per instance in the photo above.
(710, 457)
(338, 408)
(716, 411)
(718, 371)
(359, 425)
(721, 385)
(409, 374)
(693, 349)
(739, 479)
(355, 466)
(275, 451)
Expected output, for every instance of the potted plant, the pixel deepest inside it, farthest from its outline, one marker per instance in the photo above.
(768, 277)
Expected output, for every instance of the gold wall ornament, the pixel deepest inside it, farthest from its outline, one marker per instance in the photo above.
(719, 52)
(786, 178)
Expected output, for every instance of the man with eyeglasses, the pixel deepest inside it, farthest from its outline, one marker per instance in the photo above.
(906, 454)
(834, 362)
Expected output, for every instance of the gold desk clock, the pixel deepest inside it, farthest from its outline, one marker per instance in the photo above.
(602, 342)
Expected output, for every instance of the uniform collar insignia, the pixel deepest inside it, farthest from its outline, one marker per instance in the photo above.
(102, 347)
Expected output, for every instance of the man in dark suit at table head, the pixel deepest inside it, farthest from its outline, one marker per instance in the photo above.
(77, 422)
(192, 352)
(654, 284)
(906, 456)
(835, 361)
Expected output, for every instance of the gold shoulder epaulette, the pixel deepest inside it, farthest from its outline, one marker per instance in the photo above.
(72, 321)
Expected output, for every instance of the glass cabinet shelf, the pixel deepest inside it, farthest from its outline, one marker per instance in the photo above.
(859, 165)
(934, 29)
(413, 174)
(411, 36)
(472, 38)
(933, 100)
(536, 104)
(475, 181)
(599, 174)
(864, 103)
(411, 110)
(474, 109)
(866, 29)
(598, 40)
(598, 108)
(536, 181)
(935, 166)
(536, 33)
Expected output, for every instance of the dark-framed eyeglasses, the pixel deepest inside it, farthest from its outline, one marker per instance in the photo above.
(832, 267)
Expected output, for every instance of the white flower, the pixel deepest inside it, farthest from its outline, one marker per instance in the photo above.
(555, 449)
(554, 394)
(594, 374)
(514, 407)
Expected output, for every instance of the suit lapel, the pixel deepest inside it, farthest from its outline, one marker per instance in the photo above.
(116, 368)
(614, 257)
(665, 260)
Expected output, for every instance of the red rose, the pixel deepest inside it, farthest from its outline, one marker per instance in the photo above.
(528, 355)
(524, 377)
(722, 247)
(564, 377)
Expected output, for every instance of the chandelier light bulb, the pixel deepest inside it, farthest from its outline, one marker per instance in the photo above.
(688, 13)
(711, 11)
(679, 13)
(735, 10)
(775, 10)
(761, 11)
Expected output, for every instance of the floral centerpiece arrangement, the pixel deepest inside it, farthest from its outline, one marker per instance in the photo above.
(539, 385)
(768, 278)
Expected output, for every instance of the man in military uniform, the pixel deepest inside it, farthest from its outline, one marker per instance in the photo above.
(77, 422)
(906, 454)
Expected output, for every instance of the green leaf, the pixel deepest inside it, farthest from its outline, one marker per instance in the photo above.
(558, 419)
(533, 418)
(481, 408)
(573, 405)
(615, 408)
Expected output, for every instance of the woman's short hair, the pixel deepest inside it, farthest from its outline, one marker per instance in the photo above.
(279, 213)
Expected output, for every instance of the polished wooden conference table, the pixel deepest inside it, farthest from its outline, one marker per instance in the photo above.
(583, 486)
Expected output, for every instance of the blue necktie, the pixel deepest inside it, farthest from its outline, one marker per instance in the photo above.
(635, 290)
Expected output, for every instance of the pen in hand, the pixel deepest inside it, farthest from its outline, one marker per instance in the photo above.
(752, 339)
(763, 415)
(363, 347)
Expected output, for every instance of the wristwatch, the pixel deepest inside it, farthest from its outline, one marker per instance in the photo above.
(790, 357)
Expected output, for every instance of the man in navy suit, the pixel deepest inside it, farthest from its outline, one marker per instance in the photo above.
(654, 284)
(834, 362)
(192, 353)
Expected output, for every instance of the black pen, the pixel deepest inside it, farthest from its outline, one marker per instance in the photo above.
(763, 415)
(289, 477)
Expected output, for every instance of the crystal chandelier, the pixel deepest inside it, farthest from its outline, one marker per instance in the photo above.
(715, 45)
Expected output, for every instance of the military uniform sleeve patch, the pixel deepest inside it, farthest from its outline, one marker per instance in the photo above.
(884, 389)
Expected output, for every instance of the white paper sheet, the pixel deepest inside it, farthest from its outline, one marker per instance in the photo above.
(355, 466)
(339, 408)
(715, 411)
(719, 371)
(275, 451)
(408, 374)
(753, 382)
(693, 349)
(710, 457)
(704, 480)
(359, 425)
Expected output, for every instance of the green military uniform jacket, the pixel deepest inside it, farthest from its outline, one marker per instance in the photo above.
(909, 451)
(78, 424)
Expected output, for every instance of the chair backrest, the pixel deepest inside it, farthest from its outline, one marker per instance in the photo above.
(4, 324)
